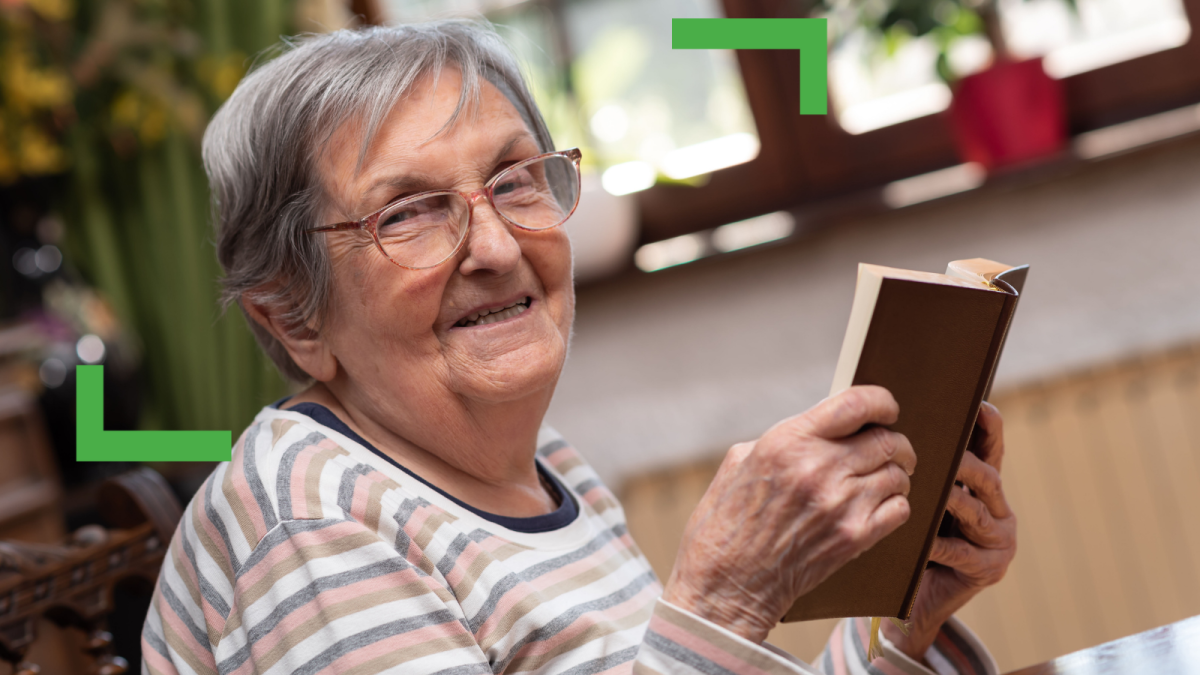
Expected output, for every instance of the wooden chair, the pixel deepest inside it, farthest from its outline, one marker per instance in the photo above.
(71, 584)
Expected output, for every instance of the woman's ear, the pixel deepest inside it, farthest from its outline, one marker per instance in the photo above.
(304, 344)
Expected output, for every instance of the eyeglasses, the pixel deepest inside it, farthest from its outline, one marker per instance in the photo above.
(427, 229)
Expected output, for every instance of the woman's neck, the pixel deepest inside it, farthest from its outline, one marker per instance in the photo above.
(481, 455)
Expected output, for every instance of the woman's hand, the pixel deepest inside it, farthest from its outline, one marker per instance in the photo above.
(786, 511)
(970, 564)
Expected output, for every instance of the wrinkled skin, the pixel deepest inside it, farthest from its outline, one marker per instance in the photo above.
(970, 566)
(787, 510)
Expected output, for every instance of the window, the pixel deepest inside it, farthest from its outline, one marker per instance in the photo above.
(606, 79)
(877, 82)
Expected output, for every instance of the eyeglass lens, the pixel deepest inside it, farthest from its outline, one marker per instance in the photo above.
(423, 233)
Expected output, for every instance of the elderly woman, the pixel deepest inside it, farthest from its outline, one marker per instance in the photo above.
(389, 205)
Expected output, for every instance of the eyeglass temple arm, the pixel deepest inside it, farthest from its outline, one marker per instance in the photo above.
(335, 228)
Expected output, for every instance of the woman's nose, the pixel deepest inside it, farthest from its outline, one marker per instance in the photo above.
(490, 243)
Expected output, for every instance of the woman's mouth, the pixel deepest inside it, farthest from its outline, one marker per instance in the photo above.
(494, 315)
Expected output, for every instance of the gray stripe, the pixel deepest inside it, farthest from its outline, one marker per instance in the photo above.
(346, 486)
(562, 621)
(249, 449)
(371, 636)
(185, 616)
(152, 638)
(478, 535)
(827, 662)
(402, 516)
(451, 556)
(207, 590)
(552, 447)
(604, 662)
(282, 533)
(306, 595)
(283, 484)
(510, 580)
(678, 652)
(964, 647)
(582, 488)
(480, 668)
(215, 519)
(615, 532)
(860, 650)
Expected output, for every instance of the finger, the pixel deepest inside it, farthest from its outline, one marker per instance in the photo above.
(889, 515)
(990, 447)
(885, 482)
(845, 413)
(984, 481)
(978, 525)
(954, 552)
(871, 448)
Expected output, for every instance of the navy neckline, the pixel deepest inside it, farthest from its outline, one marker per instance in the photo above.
(564, 515)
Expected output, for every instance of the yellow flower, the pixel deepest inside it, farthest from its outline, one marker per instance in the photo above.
(39, 154)
(52, 10)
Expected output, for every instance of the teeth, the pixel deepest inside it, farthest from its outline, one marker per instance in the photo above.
(492, 316)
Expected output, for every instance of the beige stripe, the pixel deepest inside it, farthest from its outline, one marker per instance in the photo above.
(564, 467)
(716, 638)
(209, 545)
(640, 668)
(398, 656)
(312, 482)
(279, 427)
(604, 503)
(245, 524)
(299, 557)
(214, 632)
(595, 632)
(375, 503)
(508, 550)
(330, 613)
(181, 646)
(550, 594)
(431, 526)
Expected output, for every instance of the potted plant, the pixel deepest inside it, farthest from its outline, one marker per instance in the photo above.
(1008, 114)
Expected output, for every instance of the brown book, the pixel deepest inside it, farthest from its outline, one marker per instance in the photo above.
(933, 340)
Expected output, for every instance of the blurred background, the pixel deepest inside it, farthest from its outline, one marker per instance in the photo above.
(716, 244)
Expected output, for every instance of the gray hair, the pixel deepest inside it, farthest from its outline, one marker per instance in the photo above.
(261, 151)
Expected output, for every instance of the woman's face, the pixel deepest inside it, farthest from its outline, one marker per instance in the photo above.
(392, 330)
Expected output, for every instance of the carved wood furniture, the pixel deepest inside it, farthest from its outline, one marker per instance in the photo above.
(30, 494)
(72, 583)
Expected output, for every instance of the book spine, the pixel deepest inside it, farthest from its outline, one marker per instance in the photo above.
(985, 385)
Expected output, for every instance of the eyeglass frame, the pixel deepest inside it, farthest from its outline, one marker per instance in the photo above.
(370, 221)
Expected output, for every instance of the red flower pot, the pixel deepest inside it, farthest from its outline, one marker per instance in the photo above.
(1009, 114)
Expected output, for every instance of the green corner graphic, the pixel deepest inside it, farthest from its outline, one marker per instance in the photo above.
(94, 444)
(806, 35)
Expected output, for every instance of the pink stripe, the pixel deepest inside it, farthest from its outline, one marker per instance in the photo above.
(294, 543)
(561, 455)
(595, 494)
(463, 563)
(170, 618)
(585, 621)
(835, 649)
(362, 493)
(211, 615)
(297, 480)
(395, 643)
(704, 648)
(579, 566)
(264, 644)
(156, 660)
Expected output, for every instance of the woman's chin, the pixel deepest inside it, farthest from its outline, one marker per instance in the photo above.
(509, 367)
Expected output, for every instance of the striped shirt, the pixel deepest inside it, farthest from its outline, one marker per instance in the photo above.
(313, 552)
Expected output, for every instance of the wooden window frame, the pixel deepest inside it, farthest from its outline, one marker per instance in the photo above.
(810, 159)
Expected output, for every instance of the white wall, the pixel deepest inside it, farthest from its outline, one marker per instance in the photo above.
(679, 364)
